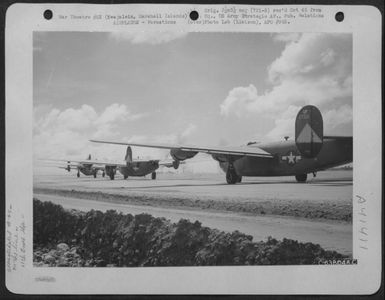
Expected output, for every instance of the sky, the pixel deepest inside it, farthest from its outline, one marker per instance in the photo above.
(178, 87)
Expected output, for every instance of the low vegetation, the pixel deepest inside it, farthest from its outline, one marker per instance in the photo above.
(75, 239)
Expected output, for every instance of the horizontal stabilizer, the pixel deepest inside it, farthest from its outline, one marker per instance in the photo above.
(338, 137)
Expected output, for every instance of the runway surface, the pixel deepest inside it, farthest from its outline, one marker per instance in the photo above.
(318, 211)
(327, 186)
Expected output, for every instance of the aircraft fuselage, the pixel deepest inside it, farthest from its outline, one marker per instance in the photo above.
(87, 170)
(288, 161)
(140, 168)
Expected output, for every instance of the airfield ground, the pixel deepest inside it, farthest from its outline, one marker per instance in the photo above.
(319, 211)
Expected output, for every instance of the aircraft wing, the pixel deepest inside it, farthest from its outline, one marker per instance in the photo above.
(48, 159)
(68, 163)
(236, 151)
(89, 162)
(66, 168)
(115, 163)
(101, 163)
(169, 163)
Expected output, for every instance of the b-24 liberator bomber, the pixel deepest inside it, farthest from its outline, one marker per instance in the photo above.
(310, 152)
(130, 167)
(86, 167)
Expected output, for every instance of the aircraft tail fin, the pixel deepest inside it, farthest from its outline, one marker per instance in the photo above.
(128, 157)
(309, 131)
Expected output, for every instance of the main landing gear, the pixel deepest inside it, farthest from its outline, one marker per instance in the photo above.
(103, 174)
(78, 174)
(153, 175)
(301, 178)
(95, 174)
(110, 172)
(125, 176)
(232, 177)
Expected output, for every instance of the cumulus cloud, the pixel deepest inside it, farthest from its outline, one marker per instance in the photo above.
(239, 100)
(63, 133)
(313, 68)
(306, 57)
(284, 124)
(183, 137)
(108, 120)
(148, 37)
(338, 116)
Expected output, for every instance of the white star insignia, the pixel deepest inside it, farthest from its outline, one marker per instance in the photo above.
(291, 158)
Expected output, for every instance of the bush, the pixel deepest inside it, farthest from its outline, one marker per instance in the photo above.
(115, 239)
(51, 223)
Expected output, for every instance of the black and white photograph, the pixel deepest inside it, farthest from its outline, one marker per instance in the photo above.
(192, 149)
(240, 147)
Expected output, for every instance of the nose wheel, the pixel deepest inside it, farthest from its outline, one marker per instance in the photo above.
(153, 175)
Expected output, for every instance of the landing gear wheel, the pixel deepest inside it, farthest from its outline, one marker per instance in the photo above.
(232, 177)
(301, 178)
(125, 176)
(95, 175)
(103, 174)
(112, 176)
(153, 175)
(78, 174)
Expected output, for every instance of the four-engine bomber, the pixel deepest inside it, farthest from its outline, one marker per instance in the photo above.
(310, 152)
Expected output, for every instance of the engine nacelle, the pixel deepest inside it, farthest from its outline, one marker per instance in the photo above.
(175, 164)
(177, 154)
